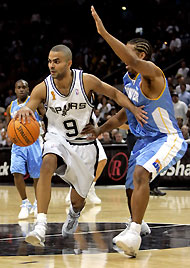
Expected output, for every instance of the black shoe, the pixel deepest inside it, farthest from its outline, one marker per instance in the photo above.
(157, 192)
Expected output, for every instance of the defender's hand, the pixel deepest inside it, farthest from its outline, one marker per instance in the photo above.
(140, 115)
(99, 25)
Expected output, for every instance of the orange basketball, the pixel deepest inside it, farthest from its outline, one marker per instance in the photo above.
(23, 134)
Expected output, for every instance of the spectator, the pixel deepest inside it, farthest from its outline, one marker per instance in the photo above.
(185, 132)
(113, 132)
(106, 138)
(113, 110)
(172, 28)
(170, 84)
(119, 138)
(184, 95)
(97, 116)
(179, 122)
(181, 80)
(183, 70)
(3, 138)
(104, 107)
(10, 98)
(180, 107)
(175, 44)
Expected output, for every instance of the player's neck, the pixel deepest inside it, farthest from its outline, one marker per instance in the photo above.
(20, 101)
(64, 84)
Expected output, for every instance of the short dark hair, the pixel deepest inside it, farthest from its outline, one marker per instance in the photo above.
(174, 93)
(62, 48)
(142, 45)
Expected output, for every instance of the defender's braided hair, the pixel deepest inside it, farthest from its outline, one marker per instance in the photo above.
(142, 45)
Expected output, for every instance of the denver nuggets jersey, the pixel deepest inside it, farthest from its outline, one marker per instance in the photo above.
(15, 106)
(29, 158)
(160, 111)
(68, 115)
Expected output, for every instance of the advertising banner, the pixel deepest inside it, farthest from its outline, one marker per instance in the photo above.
(115, 170)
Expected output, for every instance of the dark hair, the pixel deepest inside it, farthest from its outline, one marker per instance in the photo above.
(142, 45)
(22, 81)
(64, 49)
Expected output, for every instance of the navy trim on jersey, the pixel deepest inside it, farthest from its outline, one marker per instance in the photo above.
(71, 88)
(77, 142)
(47, 92)
(83, 91)
(97, 157)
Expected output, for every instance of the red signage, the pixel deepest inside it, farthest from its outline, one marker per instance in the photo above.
(118, 166)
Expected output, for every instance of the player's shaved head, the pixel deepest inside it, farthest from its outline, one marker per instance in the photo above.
(24, 82)
(64, 49)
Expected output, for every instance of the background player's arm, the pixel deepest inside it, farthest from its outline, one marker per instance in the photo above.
(92, 83)
(8, 116)
(114, 122)
(37, 96)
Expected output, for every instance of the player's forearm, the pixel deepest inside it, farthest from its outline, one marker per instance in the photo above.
(124, 101)
(32, 105)
(113, 122)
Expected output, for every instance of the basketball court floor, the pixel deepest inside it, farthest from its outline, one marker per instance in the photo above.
(91, 246)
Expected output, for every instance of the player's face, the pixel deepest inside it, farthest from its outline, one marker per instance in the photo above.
(21, 90)
(58, 65)
(132, 48)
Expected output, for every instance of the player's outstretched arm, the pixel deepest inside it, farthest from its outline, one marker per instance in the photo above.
(118, 47)
(126, 53)
(91, 82)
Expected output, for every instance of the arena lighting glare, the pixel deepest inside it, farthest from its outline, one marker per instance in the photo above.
(124, 8)
(165, 43)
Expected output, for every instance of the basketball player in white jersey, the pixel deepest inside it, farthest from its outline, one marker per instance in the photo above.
(67, 94)
(102, 160)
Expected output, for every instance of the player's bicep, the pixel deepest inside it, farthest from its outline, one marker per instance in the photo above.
(37, 96)
(93, 83)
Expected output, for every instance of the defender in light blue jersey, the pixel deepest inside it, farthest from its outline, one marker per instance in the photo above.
(160, 142)
(24, 159)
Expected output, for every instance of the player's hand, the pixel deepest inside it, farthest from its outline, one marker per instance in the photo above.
(24, 114)
(99, 25)
(93, 131)
(140, 115)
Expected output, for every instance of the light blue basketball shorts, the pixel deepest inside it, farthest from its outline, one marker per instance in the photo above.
(155, 154)
(26, 159)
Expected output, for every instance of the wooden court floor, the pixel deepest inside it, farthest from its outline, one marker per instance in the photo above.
(91, 246)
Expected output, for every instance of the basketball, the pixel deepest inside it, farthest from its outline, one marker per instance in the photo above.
(23, 134)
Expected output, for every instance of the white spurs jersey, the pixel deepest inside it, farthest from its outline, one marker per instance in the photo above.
(68, 115)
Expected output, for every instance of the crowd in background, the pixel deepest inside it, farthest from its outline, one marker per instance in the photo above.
(26, 38)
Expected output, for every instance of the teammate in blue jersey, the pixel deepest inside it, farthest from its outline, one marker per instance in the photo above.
(24, 159)
(160, 143)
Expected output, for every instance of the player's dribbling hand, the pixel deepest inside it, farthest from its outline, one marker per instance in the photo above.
(140, 115)
(99, 25)
(93, 131)
(23, 114)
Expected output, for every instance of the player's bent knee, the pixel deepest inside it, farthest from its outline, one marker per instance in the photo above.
(49, 165)
(141, 176)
